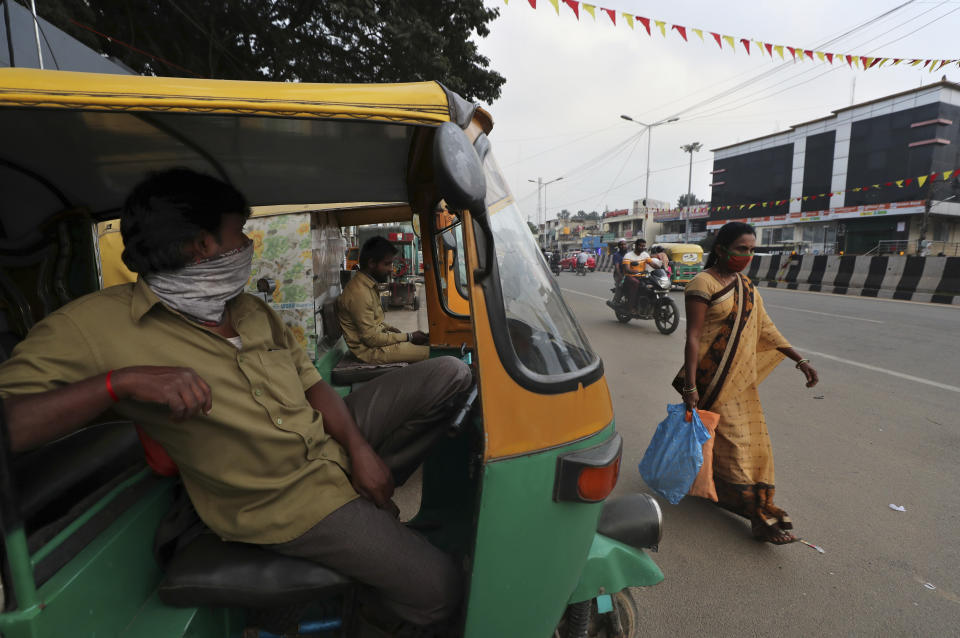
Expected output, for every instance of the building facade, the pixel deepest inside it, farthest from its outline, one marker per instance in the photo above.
(637, 221)
(867, 179)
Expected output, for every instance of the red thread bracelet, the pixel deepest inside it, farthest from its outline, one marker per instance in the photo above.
(113, 395)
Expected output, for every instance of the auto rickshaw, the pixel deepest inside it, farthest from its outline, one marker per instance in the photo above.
(686, 260)
(518, 490)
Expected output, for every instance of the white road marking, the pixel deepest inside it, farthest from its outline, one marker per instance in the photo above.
(825, 314)
(577, 292)
(865, 366)
(892, 373)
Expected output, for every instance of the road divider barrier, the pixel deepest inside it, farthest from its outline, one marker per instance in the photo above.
(910, 278)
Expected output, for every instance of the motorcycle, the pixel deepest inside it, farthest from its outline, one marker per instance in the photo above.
(556, 268)
(653, 302)
(582, 269)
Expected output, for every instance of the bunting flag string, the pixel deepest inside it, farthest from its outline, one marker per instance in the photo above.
(898, 183)
(797, 54)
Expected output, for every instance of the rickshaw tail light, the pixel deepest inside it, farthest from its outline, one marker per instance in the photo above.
(596, 483)
(588, 475)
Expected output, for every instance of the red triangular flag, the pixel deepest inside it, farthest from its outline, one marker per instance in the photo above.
(933, 176)
(830, 57)
(645, 22)
(888, 183)
(896, 60)
(612, 14)
(533, 3)
(793, 52)
(874, 63)
(809, 53)
(575, 5)
(746, 44)
(716, 36)
(814, 196)
(943, 64)
(908, 181)
(926, 63)
(850, 61)
(769, 48)
(681, 30)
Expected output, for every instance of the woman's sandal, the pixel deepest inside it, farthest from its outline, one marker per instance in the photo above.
(773, 534)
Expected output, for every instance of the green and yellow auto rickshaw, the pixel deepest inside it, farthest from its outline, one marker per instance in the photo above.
(519, 490)
(686, 260)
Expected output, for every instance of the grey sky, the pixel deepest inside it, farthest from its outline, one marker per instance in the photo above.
(569, 81)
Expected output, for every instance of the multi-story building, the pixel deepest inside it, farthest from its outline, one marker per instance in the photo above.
(868, 178)
(633, 222)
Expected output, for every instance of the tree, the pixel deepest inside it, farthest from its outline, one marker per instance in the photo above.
(593, 215)
(689, 199)
(533, 228)
(292, 40)
(564, 214)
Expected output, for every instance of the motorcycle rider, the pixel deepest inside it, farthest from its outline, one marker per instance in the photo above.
(555, 262)
(582, 260)
(618, 268)
(643, 263)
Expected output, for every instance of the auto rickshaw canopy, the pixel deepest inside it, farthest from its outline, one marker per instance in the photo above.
(84, 139)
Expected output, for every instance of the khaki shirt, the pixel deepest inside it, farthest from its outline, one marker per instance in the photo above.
(361, 317)
(260, 468)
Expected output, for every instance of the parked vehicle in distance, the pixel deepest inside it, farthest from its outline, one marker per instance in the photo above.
(570, 262)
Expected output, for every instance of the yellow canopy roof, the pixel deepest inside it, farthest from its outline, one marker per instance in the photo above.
(411, 103)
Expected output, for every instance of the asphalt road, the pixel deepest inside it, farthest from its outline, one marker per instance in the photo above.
(881, 428)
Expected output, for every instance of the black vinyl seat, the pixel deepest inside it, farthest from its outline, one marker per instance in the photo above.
(212, 572)
(350, 370)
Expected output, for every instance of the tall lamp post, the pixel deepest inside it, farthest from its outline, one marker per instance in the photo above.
(646, 187)
(689, 148)
(542, 186)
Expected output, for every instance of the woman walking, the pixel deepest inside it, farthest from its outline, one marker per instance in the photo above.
(732, 345)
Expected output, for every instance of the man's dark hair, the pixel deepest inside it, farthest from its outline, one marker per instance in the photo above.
(170, 209)
(639, 240)
(377, 248)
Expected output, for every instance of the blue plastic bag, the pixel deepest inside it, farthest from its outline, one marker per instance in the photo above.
(675, 454)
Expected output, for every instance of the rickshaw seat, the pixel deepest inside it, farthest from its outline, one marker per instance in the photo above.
(211, 572)
(350, 370)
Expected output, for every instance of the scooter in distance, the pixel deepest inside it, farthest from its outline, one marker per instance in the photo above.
(653, 302)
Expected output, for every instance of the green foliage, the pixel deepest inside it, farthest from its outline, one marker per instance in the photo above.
(293, 40)
(689, 199)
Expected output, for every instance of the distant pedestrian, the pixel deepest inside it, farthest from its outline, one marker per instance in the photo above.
(732, 345)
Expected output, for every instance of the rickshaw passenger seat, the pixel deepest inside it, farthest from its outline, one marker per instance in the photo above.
(211, 572)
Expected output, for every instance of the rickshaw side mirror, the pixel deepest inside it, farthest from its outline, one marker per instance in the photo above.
(458, 171)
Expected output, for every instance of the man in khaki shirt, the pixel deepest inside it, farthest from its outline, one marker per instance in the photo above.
(267, 451)
(369, 337)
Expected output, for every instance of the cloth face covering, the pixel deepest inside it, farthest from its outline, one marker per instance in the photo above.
(735, 262)
(202, 289)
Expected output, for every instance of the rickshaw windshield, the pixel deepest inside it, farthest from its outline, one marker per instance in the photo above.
(543, 332)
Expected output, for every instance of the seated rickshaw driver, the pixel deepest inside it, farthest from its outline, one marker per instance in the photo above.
(268, 452)
(368, 335)
(645, 263)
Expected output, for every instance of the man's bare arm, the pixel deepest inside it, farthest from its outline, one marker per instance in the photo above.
(35, 419)
(370, 475)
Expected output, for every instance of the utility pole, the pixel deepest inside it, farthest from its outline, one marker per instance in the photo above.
(689, 148)
(648, 127)
(539, 183)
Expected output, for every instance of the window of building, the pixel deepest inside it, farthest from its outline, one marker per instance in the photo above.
(757, 177)
(818, 170)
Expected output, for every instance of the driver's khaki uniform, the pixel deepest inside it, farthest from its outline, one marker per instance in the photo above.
(369, 337)
(261, 467)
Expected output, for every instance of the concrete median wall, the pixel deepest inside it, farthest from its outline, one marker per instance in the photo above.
(927, 279)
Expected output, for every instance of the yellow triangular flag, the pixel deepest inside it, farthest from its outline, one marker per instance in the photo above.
(751, 206)
(742, 206)
(946, 175)
(866, 62)
(915, 62)
(556, 5)
(628, 17)
(921, 180)
(933, 65)
(699, 33)
(856, 60)
(896, 62)
(591, 9)
(821, 56)
(884, 61)
(899, 183)
(779, 49)
(662, 26)
(760, 47)
(729, 40)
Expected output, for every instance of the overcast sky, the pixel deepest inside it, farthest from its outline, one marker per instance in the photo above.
(568, 82)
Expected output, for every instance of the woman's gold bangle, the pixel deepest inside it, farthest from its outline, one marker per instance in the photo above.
(801, 362)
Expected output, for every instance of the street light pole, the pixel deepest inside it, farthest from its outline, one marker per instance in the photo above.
(542, 187)
(648, 127)
(689, 148)
(545, 184)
